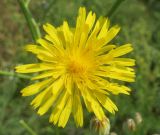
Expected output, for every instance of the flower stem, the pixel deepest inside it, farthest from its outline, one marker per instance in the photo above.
(27, 2)
(114, 8)
(32, 24)
(14, 74)
(24, 124)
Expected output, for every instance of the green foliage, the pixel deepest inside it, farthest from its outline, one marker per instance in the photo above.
(140, 24)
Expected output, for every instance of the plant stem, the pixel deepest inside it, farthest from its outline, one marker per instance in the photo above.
(24, 124)
(32, 24)
(114, 8)
(14, 74)
(27, 2)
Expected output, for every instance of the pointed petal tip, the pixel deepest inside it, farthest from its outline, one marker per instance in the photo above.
(40, 112)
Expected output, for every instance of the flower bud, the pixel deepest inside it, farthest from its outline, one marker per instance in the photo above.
(100, 126)
(113, 133)
(131, 125)
(138, 118)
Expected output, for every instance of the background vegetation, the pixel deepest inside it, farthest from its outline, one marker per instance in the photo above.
(140, 23)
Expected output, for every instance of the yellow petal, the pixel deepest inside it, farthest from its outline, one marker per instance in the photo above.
(69, 84)
(105, 49)
(65, 113)
(87, 103)
(47, 74)
(82, 89)
(92, 39)
(49, 47)
(77, 109)
(30, 68)
(36, 49)
(123, 61)
(106, 102)
(116, 89)
(60, 34)
(122, 50)
(107, 37)
(52, 32)
(90, 19)
(97, 109)
(67, 34)
(55, 115)
(41, 53)
(56, 47)
(46, 94)
(57, 85)
(104, 28)
(86, 28)
(41, 97)
(59, 107)
(79, 25)
(120, 73)
(48, 103)
(35, 88)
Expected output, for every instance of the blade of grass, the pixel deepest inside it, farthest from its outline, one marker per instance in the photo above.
(25, 125)
(114, 8)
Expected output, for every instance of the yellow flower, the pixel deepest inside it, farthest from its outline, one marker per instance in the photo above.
(78, 63)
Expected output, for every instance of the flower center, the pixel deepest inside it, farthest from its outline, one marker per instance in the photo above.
(76, 68)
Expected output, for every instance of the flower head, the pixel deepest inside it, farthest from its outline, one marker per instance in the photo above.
(78, 64)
